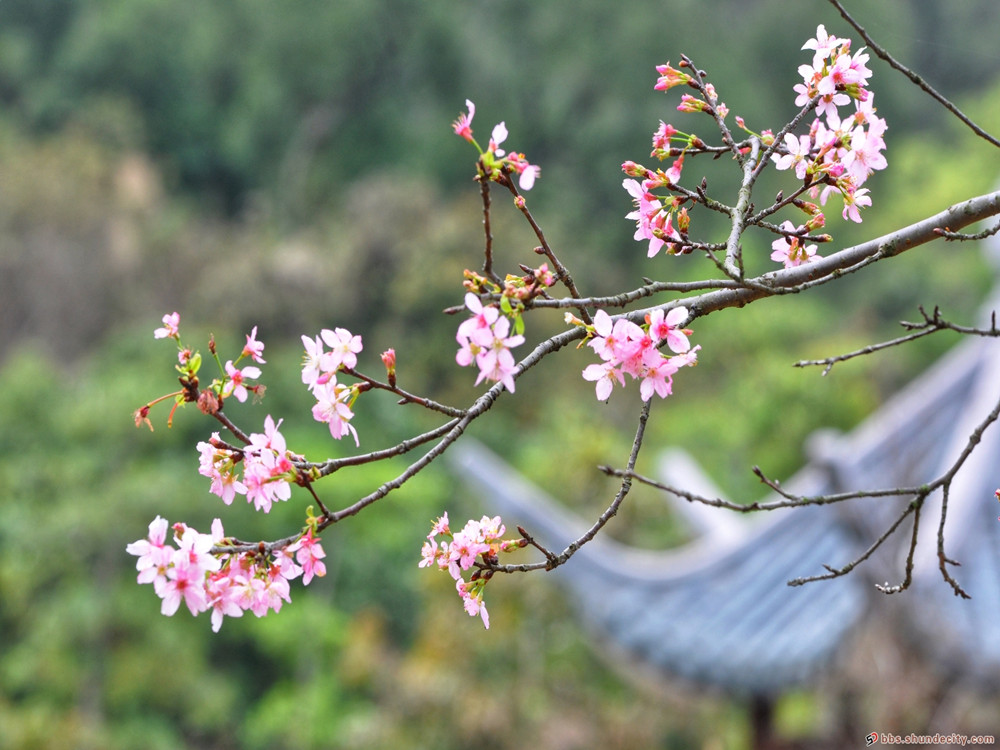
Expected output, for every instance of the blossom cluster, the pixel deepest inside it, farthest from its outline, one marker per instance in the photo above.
(267, 467)
(653, 219)
(319, 372)
(629, 349)
(837, 155)
(494, 159)
(484, 340)
(458, 552)
(195, 573)
(841, 150)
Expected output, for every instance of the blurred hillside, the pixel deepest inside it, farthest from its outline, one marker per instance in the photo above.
(291, 166)
(282, 163)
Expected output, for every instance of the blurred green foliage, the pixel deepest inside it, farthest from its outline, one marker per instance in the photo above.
(291, 166)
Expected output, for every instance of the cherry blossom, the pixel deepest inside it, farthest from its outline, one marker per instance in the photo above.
(667, 328)
(234, 385)
(171, 323)
(495, 157)
(204, 578)
(154, 556)
(309, 555)
(477, 540)
(483, 339)
(628, 349)
(852, 201)
(790, 250)
(332, 408)
(344, 349)
(463, 125)
(653, 223)
(312, 364)
(254, 348)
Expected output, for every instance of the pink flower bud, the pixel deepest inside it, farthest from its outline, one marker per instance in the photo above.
(389, 360)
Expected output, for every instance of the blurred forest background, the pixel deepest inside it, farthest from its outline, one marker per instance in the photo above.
(290, 165)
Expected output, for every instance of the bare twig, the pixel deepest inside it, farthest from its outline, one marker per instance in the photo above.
(920, 82)
(943, 560)
(951, 236)
(842, 571)
(560, 270)
(626, 485)
(484, 190)
(931, 324)
(908, 574)
(406, 398)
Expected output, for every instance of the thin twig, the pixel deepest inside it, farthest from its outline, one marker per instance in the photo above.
(908, 574)
(920, 82)
(931, 324)
(870, 349)
(405, 398)
(838, 572)
(560, 270)
(951, 236)
(484, 190)
(943, 560)
(573, 547)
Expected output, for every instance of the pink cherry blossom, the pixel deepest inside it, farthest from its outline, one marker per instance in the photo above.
(498, 136)
(495, 362)
(791, 251)
(473, 602)
(853, 200)
(184, 584)
(309, 555)
(433, 553)
(234, 385)
(440, 526)
(528, 172)
(797, 155)
(823, 44)
(194, 550)
(171, 323)
(284, 561)
(222, 594)
(155, 557)
(627, 349)
(312, 363)
(254, 348)
(661, 138)
(656, 378)
(653, 223)
(463, 125)
(604, 374)
(478, 328)
(865, 155)
(344, 349)
(331, 407)
(667, 328)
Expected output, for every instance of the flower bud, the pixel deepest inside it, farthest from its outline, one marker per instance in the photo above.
(389, 360)
(683, 220)
(633, 170)
(691, 104)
